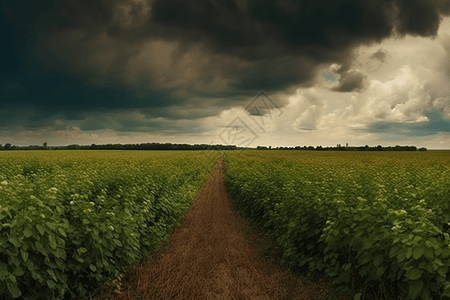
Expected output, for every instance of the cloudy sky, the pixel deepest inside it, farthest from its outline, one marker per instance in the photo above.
(242, 72)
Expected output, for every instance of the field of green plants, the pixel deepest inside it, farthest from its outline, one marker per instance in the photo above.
(363, 218)
(71, 220)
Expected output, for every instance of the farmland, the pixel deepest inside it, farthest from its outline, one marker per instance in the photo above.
(71, 220)
(359, 217)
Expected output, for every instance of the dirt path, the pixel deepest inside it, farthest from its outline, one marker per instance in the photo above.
(208, 257)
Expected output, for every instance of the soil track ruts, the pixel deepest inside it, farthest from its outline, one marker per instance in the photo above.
(208, 257)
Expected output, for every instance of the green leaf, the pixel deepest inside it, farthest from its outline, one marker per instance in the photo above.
(438, 262)
(15, 241)
(14, 289)
(416, 239)
(61, 253)
(12, 278)
(417, 253)
(36, 276)
(429, 243)
(24, 254)
(428, 252)
(18, 271)
(446, 292)
(4, 269)
(347, 267)
(408, 252)
(51, 284)
(415, 288)
(15, 259)
(62, 232)
(378, 259)
(357, 296)
(40, 247)
(93, 268)
(426, 295)
(81, 250)
(414, 273)
(380, 271)
(27, 232)
(40, 228)
(52, 241)
(52, 273)
(50, 225)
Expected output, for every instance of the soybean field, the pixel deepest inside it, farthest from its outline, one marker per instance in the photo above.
(366, 219)
(349, 225)
(71, 220)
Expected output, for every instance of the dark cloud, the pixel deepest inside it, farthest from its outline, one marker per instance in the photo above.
(274, 75)
(61, 126)
(16, 117)
(380, 55)
(70, 58)
(135, 123)
(267, 29)
(152, 126)
(419, 17)
(351, 81)
(93, 124)
(11, 58)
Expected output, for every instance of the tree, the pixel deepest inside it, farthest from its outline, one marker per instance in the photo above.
(7, 145)
(45, 145)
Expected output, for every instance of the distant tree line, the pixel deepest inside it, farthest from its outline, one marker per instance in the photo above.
(158, 146)
(346, 148)
(169, 146)
(142, 146)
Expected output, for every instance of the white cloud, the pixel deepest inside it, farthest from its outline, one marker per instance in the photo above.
(310, 119)
(402, 99)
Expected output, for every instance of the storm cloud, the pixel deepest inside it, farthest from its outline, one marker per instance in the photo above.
(92, 62)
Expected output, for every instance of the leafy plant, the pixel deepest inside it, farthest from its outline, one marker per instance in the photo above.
(73, 220)
(359, 217)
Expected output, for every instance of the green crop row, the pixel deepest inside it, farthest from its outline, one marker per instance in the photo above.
(360, 217)
(72, 220)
